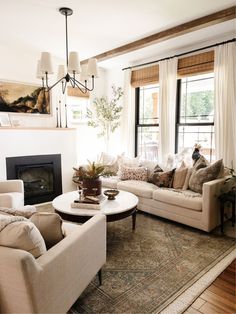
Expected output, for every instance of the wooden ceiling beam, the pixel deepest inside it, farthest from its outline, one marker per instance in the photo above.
(199, 23)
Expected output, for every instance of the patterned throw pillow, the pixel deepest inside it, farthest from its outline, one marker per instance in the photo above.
(156, 169)
(133, 173)
(206, 174)
(163, 179)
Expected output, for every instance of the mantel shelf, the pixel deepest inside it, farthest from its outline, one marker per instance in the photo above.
(35, 128)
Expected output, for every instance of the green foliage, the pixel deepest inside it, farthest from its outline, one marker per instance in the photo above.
(91, 171)
(106, 114)
(199, 104)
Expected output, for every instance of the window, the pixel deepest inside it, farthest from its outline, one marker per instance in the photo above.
(147, 122)
(195, 114)
(77, 109)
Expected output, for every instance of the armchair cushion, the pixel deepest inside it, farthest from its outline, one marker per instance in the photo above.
(50, 227)
(22, 235)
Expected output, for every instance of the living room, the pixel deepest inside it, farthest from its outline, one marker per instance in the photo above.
(175, 45)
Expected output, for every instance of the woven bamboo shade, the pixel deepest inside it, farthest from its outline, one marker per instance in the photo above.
(145, 76)
(196, 64)
(76, 92)
(192, 65)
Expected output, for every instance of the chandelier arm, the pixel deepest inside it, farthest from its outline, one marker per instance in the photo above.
(46, 80)
(85, 86)
(72, 80)
(49, 88)
(75, 83)
(64, 87)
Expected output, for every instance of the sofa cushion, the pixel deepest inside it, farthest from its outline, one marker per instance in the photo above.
(139, 188)
(206, 174)
(50, 227)
(187, 199)
(23, 235)
(133, 173)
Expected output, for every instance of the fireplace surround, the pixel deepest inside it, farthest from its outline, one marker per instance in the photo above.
(41, 175)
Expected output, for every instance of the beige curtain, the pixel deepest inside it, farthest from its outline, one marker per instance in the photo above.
(225, 103)
(167, 80)
(128, 117)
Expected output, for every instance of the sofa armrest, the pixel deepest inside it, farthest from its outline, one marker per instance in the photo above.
(210, 203)
(8, 186)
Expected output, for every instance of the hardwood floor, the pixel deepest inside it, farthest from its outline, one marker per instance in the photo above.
(219, 297)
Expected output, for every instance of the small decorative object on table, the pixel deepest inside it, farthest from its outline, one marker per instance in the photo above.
(111, 194)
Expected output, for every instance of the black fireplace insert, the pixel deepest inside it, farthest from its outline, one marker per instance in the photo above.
(41, 175)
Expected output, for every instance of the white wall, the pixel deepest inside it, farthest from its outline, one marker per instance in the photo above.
(28, 142)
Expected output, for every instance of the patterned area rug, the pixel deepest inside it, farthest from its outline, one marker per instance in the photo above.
(147, 269)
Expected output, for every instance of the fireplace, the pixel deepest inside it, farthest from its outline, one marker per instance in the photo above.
(41, 175)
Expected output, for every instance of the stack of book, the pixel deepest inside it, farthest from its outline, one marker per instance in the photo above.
(88, 202)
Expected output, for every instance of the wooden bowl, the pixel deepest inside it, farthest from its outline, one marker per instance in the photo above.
(111, 194)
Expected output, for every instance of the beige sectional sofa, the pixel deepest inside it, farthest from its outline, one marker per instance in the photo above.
(187, 207)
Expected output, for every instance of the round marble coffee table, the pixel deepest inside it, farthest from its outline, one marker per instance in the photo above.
(124, 205)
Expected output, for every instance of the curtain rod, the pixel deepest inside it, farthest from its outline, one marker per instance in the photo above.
(181, 54)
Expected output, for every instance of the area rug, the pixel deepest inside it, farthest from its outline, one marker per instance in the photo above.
(147, 269)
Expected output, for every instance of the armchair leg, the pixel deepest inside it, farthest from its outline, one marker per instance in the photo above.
(100, 277)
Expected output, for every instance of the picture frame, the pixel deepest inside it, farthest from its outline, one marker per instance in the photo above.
(24, 98)
(5, 119)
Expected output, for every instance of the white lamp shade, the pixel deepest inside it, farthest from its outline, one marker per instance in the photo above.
(73, 63)
(83, 74)
(92, 67)
(61, 72)
(46, 63)
(39, 73)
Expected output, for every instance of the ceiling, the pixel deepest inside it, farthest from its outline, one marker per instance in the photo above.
(98, 26)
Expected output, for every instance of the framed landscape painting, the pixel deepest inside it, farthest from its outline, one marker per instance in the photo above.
(23, 98)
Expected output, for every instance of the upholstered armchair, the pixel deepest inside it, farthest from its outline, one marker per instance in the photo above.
(11, 193)
(52, 282)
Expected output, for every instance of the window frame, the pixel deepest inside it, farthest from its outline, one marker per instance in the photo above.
(178, 110)
(137, 124)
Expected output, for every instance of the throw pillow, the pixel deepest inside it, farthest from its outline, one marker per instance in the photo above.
(206, 174)
(187, 178)
(201, 162)
(180, 176)
(133, 173)
(129, 162)
(110, 170)
(163, 179)
(23, 235)
(49, 225)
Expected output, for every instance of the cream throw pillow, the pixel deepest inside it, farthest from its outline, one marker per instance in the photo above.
(49, 225)
(23, 235)
(180, 176)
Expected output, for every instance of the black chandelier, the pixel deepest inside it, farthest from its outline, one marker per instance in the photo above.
(72, 64)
